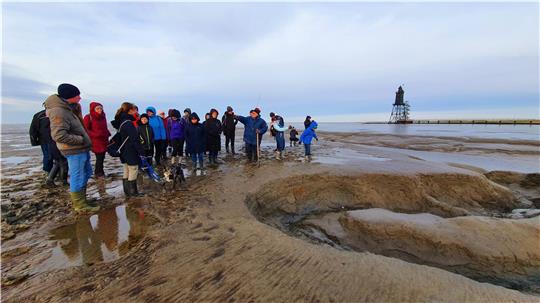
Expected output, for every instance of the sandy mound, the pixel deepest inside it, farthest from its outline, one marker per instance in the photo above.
(480, 247)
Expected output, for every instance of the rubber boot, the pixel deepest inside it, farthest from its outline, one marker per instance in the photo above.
(52, 175)
(126, 187)
(133, 190)
(91, 203)
(278, 157)
(232, 148)
(79, 203)
(281, 155)
(64, 173)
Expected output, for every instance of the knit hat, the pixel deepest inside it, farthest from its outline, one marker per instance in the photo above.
(272, 114)
(187, 110)
(258, 110)
(229, 109)
(68, 91)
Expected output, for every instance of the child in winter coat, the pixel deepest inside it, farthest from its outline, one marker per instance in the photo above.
(293, 136)
(147, 137)
(175, 136)
(195, 140)
(307, 135)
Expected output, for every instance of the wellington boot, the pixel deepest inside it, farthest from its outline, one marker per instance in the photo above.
(125, 185)
(79, 203)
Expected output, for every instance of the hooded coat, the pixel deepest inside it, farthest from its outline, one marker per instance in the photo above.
(309, 133)
(213, 130)
(40, 129)
(96, 127)
(157, 125)
(67, 127)
(132, 149)
(195, 136)
(251, 126)
(229, 123)
(147, 136)
(175, 128)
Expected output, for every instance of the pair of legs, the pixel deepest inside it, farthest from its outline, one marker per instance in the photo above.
(129, 180)
(307, 149)
(197, 157)
(60, 167)
(47, 159)
(280, 142)
(251, 152)
(178, 147)
(100, 158)
(229, 140)
(80, 170)
(160, 147)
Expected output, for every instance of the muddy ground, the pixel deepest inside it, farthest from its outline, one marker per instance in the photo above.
(238, 232)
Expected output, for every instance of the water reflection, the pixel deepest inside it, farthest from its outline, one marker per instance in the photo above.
(100, 238)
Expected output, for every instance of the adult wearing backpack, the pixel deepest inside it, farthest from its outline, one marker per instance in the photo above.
(40, 134)
(131, 149)
(95, 123)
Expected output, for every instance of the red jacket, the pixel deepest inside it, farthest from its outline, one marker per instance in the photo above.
(96, 127)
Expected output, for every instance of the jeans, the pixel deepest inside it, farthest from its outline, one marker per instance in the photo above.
(307, 149)
(280, 140)
(195, 156)
(47, 159)
(80, 170)
(100, 157)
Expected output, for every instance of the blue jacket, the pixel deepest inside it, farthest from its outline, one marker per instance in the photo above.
(157, 125)
(309, 133)
(250, 127)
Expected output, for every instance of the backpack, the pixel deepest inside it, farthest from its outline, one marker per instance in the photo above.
(114, 148)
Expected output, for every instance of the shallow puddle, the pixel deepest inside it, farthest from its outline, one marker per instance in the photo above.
(102, 237)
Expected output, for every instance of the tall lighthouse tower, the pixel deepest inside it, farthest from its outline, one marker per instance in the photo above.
(400, 109)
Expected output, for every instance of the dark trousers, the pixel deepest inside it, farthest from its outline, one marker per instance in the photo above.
(293, 141)
(98, 171)
(47, 159)
(178, 147)
(229, 139)
(60, 167)
(251, 151)
(160, 146)
(307, 149)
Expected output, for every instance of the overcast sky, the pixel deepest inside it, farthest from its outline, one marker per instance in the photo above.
(340, 62)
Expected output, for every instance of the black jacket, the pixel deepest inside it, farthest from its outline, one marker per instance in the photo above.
(40, 129)
(229, 124)
(147, 136)
(132, 149)
(195, 136)
(213, 130)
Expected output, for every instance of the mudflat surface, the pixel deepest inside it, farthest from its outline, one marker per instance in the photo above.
(225, 235)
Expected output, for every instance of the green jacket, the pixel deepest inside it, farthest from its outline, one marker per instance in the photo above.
(67, 128)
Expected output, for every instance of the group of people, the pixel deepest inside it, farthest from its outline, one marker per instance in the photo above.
(66, 139)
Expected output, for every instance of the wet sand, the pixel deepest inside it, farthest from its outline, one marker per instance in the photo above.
(235, 233)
